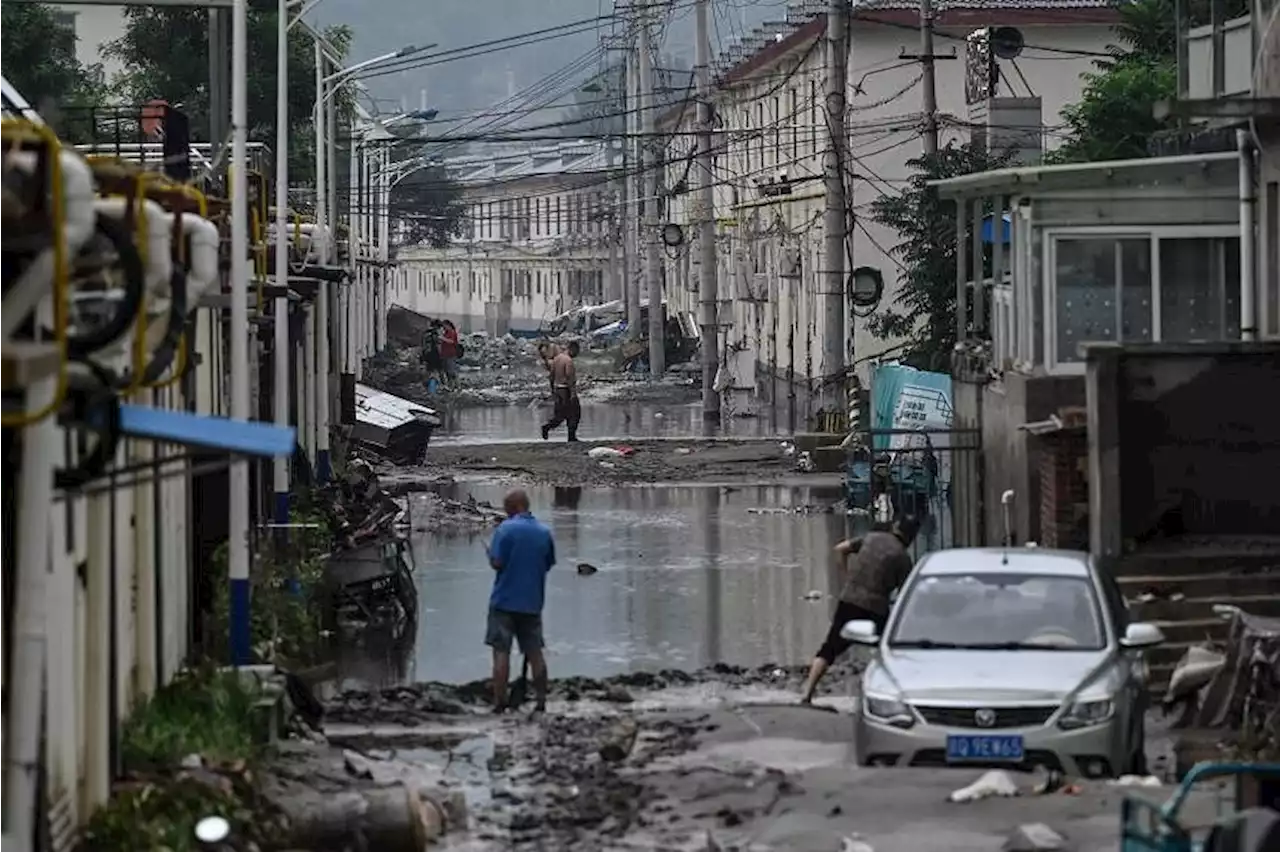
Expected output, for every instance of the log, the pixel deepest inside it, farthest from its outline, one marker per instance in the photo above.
(619, 740)
(389, 819)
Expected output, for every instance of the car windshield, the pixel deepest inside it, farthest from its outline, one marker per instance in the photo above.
(999, 611)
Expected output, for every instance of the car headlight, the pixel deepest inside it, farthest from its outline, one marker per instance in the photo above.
(1081, 714)
(892, 711)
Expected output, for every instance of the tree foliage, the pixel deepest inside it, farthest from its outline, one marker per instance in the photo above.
(429, 205)
(1113, 118)
(39, 49)
(923, 314)
(165, 52)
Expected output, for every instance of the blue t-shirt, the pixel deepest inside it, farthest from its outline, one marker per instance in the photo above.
(525, 550)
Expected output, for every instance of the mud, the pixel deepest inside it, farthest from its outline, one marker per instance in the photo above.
(432, 513)
(564, 464)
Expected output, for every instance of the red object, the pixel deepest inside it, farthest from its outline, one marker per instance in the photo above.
(626, 451)
(449, 343)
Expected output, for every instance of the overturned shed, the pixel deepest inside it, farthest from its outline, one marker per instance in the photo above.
(392, 427)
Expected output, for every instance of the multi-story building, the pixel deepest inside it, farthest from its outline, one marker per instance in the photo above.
(541, 238)
(770, 134)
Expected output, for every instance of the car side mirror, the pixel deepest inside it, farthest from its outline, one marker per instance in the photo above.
(1141, 634)
(860, 632)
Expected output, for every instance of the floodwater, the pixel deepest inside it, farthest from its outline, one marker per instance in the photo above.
(600, 421)
(688, 576)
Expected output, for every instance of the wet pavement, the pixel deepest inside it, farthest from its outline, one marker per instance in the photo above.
(600, 421)
(688, 576)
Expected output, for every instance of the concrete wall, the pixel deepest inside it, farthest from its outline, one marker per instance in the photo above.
(1011, 456)
(1199, 443)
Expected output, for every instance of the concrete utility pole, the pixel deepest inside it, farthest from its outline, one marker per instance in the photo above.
(649, 227)
(630, 207)
(928, 82)
(708, 280)
(834, 218)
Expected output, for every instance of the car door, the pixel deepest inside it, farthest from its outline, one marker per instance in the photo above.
(1133, 666)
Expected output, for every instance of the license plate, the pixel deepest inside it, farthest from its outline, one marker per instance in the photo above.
(984, 747)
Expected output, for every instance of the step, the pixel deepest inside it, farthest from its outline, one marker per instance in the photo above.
(1201, 558)
(1194, 631)
(1190, 609)
(1203, 585)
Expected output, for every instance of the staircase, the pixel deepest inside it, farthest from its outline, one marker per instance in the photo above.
(1176, 584)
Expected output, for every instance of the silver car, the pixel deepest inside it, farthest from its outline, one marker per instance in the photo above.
(1016, 657)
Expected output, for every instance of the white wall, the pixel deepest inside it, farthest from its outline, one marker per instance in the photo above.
(95, 26)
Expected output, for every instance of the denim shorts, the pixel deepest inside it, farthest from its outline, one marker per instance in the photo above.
(524, 627)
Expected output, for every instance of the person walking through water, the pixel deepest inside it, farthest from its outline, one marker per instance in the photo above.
(521, 554)
(880, 564)
(564, 387)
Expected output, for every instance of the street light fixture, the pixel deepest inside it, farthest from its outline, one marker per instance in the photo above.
(407, 50)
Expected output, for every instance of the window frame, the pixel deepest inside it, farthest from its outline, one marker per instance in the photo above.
(1152, 234)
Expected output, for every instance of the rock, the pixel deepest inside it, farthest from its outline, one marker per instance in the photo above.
(586, 569)
(357, 765)
(1034, 837)
(619, 740)
(617, 694)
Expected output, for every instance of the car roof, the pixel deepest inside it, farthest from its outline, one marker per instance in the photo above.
(1006, 560)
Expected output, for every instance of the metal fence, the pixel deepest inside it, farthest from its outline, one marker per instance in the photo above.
(935, 475)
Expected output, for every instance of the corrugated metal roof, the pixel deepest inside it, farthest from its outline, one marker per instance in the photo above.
(568, 157)
(385, 411)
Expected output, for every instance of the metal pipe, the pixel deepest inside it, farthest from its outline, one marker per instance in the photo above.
(320, 241)
(310, 382)
(238, 523)
(41, 445)
(1248, 210)
(280, 364)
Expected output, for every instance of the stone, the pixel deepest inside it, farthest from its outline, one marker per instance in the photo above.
(1034, 837)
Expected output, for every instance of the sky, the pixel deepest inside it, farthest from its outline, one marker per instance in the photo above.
(478, 83)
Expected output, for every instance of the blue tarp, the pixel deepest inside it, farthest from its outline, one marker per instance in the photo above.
(988, 230)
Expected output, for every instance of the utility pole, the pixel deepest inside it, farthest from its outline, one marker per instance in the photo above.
(835, 216)
(631, 208)
(280, 369)
(649, 227)
(928, 88)
(708, 281)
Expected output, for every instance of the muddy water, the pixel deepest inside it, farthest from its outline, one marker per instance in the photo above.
(599, 421)
(688, 576)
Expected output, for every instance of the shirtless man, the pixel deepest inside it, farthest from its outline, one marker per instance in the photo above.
(564, 388)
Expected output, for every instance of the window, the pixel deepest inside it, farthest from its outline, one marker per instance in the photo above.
(794, 120)
(815, 110)
(559, 221)
(746, 142)
(1103, 293)
(759, 133)
(777, 132)
(1199, 289)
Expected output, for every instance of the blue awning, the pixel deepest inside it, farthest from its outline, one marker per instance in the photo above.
(987, 230)
(200, 430)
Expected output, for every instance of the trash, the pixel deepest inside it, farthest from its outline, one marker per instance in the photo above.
(1034, 837)
(1135, 781)
(608, 465)
(804, 464)
(853, 844)
(993, 783)
(814, 595)
(788, 448)
(605, 453)
(1196, 668)
(617, 694)
(192, 761)
(357, 765)
(683, 451)
(586, 569)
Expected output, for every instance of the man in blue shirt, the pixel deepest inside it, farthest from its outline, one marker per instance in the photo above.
(521, 554)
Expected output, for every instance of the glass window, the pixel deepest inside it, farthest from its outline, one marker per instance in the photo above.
(1200, 289)
(1103, 292)
(999, 611)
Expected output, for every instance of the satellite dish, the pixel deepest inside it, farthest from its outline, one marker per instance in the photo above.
(1007, 42)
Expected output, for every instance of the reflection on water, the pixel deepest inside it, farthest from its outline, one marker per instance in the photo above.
(688, 576)
(599, 420)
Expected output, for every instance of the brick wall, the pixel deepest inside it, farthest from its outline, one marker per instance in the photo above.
(1064, 490)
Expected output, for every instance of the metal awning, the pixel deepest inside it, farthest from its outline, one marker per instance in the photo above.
(1032, 180)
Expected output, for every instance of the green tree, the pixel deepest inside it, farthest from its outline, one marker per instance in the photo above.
(430, 207)
(1113, 119)
(39, 48)
(923, 315)
(165, 52)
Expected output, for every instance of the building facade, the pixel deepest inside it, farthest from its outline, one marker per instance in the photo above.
(541, 238)
(770, 138)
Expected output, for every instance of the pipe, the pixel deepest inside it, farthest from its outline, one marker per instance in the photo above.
(280, 368)
(238, 493)
(1248, 210)
(310, 386)
(322, 197)
(41, 444)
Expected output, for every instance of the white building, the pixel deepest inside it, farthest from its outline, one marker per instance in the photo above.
(94, 26)
(541, 239)
(769, 110)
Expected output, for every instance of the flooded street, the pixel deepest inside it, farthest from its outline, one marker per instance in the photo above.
(688, 576)
(500, 424)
